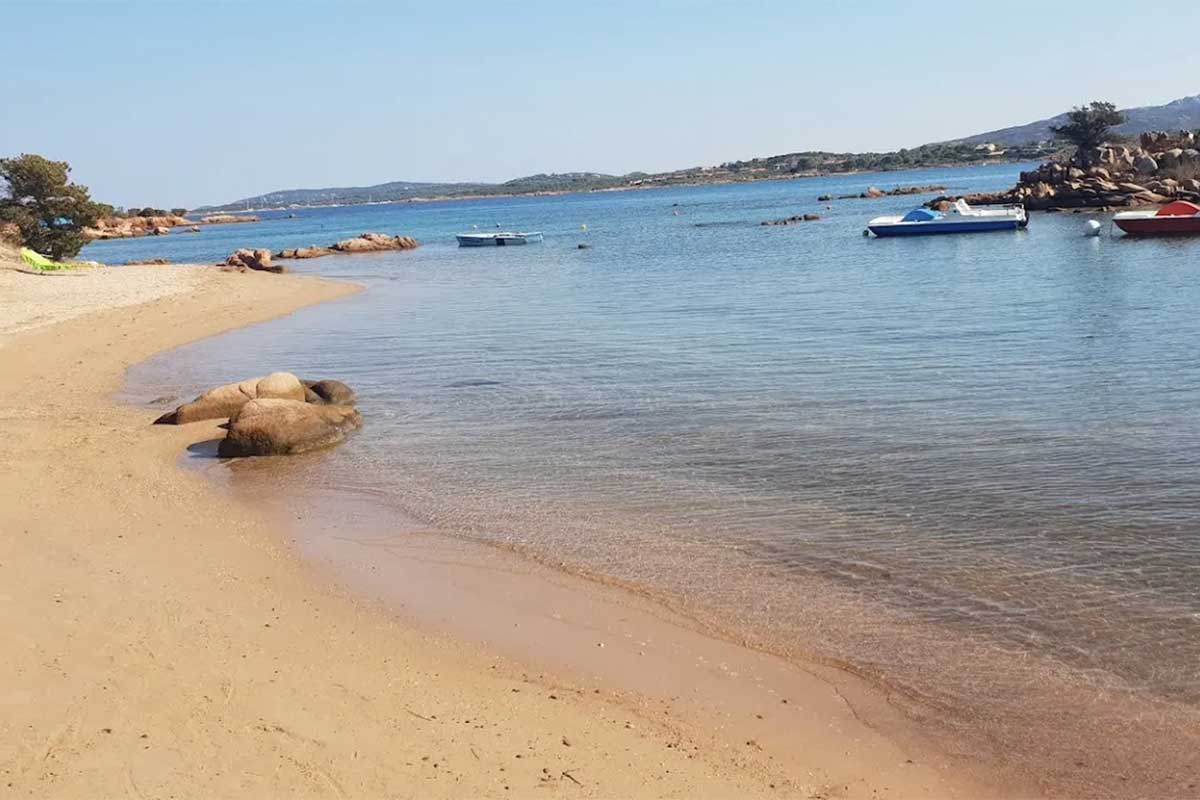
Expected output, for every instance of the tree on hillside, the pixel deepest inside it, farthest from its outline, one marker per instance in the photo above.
(1087, 127)
(49, 210)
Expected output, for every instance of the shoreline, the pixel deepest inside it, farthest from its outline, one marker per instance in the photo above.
(819, 724)
(166, 641)
(152, 611)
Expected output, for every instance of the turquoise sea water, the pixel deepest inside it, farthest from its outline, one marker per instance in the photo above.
(967, 467)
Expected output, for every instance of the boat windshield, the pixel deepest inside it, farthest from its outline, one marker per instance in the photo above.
(921, 215)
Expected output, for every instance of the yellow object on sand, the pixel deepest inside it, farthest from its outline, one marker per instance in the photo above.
(39, 261)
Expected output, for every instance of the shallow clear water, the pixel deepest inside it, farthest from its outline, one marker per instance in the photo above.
(968, 467)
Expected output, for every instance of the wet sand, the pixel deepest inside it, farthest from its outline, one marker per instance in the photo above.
(168, 638)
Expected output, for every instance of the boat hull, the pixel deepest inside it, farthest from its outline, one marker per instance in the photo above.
(496, 239)
(940, 227)
(1159, 226)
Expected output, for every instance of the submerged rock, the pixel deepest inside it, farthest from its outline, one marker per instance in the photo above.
(274, 427)
(792, 220)
(224, 401)
(312, 251)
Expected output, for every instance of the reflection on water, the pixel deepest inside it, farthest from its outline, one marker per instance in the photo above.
(967, 466)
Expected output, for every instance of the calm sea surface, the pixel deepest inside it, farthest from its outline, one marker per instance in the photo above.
(967, 467)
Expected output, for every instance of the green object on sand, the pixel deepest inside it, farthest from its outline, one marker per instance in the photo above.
(38, 261)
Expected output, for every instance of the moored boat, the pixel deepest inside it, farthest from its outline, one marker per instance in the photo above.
(1180, 218)
(962, 218)
(497, 239)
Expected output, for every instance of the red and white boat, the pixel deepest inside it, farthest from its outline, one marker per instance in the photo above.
(1180, 218)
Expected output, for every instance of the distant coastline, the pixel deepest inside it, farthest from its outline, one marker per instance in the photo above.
(695, 178)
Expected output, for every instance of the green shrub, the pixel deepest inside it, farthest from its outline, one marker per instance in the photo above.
(48, 210)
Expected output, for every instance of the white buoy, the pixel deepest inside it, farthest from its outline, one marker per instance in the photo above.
(1092, 228)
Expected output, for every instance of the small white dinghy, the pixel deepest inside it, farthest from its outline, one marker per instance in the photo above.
(497, 239)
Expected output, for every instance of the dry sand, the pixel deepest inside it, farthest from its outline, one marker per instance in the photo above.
(30, 301)
(162, 638)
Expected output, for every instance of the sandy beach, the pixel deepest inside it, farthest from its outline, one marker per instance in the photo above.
(168, 639)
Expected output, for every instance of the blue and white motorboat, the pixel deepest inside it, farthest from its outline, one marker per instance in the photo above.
(961, 218)
(497, 239)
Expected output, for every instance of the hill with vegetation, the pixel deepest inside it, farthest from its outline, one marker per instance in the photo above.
(788, 165)
(1178, 115)
(1028, 142)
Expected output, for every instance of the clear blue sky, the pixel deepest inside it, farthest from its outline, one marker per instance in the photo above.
(185, 103)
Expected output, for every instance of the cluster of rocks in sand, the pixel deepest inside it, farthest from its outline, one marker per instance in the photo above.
(277, 414)
(132, 227)
(263, 260)
(1164, 167)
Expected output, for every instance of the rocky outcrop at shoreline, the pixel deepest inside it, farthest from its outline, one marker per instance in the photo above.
(259, 259)
(365, 243)
(1165, 167)
(222, 401)
(130, 227)
(272, 427)
(374, 243)
(277, 414)
(133, 227)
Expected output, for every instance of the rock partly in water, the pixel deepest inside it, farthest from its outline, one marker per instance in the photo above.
(874, 192)
(227, 219)
(224, 401)
(375, 242)
(328, 392)
(1111, 175)
(312, 251)
(259, 259)
(286, 427)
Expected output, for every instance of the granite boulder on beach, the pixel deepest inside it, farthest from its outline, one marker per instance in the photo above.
(277, 414)
(222, 402)
(275, 427)
(256, 259)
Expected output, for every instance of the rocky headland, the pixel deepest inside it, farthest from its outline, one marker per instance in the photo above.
(1161, 168)
(159, 225)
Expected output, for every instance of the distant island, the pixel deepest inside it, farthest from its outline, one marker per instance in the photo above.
(1030, 142)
